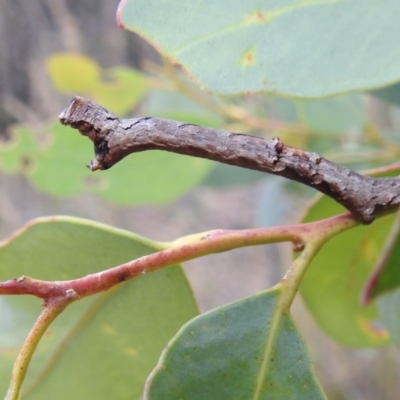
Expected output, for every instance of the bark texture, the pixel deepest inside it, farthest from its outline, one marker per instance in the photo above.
(114, 139)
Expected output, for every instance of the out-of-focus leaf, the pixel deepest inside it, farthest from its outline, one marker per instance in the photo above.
(240, 351)
(74, 73)
(285, 109)
(390, 93)
(191, 118)
(334, 281)
(153, 177)
(386, 274)
(120, 89)
(333, 286)
(57, 166)
(101, 347)
(228, 175)
(389, 314)
(176, 106)
(123, 91)
(15, 154)
(296, 48)
(334, 115)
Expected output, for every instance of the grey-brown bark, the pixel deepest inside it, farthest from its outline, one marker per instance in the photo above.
(114, 139)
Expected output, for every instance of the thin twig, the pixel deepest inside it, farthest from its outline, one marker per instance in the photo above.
(181, 250)
(51, 311)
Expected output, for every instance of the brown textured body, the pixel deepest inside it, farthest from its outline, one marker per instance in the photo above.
(114, 139)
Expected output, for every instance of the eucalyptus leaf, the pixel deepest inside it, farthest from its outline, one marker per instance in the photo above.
(295, 48)
(244, 350)
(100, 347)
(334, 281)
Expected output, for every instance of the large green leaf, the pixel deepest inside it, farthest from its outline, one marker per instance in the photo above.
(333, 283)
(102, 347)
(56, 164)
(306, 48)
(244, 350)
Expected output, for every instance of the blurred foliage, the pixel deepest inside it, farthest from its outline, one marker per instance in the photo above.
(118, 89)
(390, 93)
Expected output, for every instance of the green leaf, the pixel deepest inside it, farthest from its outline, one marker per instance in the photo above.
(390, 94)
(102, 347)
(221, 354)
(285, 109)
(297, 48)
(153, 177)
(333, 283)
(385, 275)
(121, 90)
(334, 115)
(72, 73)
(223, 176)
(57, 165)
(177, 106)
(15, 154)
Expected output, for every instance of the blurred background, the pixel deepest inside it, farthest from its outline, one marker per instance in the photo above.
(51, 50)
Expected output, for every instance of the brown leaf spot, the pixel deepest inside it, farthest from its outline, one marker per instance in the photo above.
(248, 58)
(257, 17)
